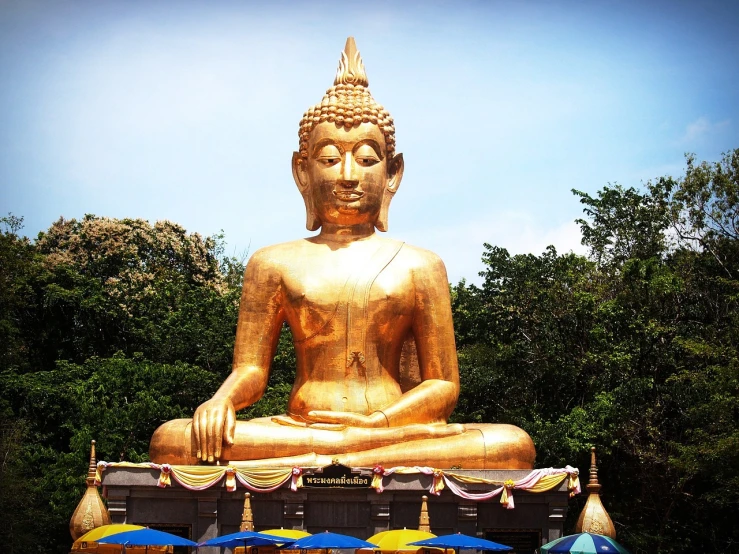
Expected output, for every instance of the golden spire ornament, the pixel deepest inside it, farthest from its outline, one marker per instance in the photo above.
(424, 523)
(594, 518)
(351, 69)
(247, 516)
(91, 511)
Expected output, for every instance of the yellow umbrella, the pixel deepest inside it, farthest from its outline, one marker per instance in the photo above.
(397, 540)
(378, 537)
(287, 533)
(104, 531)
(88, 542)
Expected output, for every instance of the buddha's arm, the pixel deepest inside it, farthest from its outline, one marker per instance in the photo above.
(260, 321)
(433, 400)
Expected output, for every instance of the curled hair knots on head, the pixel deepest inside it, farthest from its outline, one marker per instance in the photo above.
(347, 105)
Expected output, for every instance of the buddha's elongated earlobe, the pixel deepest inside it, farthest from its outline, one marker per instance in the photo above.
(395, 175)
(312, 223)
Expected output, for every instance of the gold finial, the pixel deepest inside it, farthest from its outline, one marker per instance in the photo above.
(423, 521)
(351, 69)
(91, 511)
(247, 516)
(92, 468)
(594, 518)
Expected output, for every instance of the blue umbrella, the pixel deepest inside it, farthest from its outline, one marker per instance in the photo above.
(584, 543)
(459, 541)
(146, 537)
(245, 538)
(329, 540)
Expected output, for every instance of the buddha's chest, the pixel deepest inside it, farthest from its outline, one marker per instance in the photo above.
(333, 295)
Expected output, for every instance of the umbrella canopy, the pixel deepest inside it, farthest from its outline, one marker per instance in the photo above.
(459, 541)
(286, 533)
(106, 530)
(584, 543)
(146, 537)
(329, 540)
(399, 539)
(245, 538)
(87, 543)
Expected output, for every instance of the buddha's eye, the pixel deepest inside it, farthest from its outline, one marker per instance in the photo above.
(328, 155)
(366, 156)
(328, 161)
(367, 162)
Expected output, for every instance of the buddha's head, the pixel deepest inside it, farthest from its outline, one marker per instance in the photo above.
(346, 167)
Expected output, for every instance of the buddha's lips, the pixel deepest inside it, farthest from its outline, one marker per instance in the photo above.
(348, 195)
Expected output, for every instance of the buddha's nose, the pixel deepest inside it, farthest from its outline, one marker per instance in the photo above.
(347, 183)
(348, 167)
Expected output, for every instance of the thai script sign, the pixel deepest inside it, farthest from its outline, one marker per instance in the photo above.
(337, 476)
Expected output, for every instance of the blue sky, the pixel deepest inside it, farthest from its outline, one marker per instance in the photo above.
(188, 111)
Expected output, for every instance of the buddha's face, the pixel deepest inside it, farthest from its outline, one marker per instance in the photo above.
(347, 177)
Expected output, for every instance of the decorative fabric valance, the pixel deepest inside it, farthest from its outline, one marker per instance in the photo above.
(267, 480)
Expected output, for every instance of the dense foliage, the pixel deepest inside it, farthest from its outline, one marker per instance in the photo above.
(110, 327)
(632, 349)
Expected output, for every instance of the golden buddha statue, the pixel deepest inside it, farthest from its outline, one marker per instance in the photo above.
(352, 300)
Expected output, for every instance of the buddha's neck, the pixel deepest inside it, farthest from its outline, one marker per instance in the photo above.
(345, 233)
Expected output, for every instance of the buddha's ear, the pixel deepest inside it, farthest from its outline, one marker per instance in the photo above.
(395, 172)
(395, 175)
(301, 180)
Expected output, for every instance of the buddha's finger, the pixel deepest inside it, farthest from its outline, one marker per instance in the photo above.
(441, 430)
(230, 427)
(288, 422)
(217, 436)
(203, 433)
(196, 433)
(342, 418)
(214, 440)
(431, 431)
(328, 426)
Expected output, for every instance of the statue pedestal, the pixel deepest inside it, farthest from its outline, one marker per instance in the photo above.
(134, 497)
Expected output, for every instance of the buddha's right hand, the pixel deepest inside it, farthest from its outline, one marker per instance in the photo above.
(213, 424)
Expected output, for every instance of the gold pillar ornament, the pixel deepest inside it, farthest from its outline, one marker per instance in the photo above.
(247, 516)
(594, 518)
(424, 523)
(354, 302)
(91, 511)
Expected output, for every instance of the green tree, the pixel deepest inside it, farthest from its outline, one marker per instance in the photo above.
(125, 285)
(109, 328)
(633, 350)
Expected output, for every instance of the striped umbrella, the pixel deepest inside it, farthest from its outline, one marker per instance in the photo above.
(583, 543)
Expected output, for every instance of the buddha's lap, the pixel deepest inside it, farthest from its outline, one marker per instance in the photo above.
(175, 440)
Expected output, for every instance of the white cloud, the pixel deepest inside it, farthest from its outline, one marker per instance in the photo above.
(461, 246)
(701, 128)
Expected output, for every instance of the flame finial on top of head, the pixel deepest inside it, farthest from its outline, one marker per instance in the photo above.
(351, 69)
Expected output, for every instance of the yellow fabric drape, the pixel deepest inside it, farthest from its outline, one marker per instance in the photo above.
(547, 483)
(506, 497)
(468, 479)
(164, 479)
(198, 477)
(574, 483)
(264, 478)
(438, 484)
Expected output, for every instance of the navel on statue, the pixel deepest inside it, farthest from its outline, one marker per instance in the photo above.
(356, 304)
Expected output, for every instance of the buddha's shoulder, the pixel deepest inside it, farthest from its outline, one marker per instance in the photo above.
(278, 255)
(419, 258)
